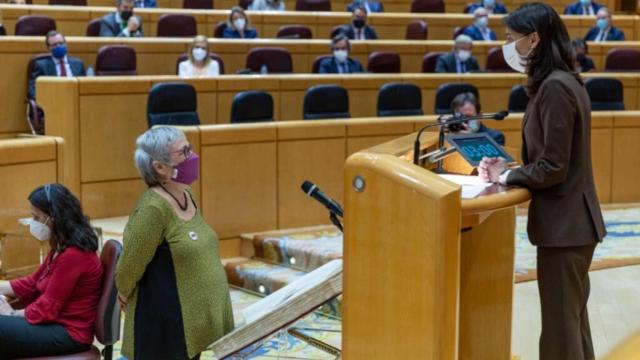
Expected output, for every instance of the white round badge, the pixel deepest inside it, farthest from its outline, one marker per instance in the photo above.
(193, 235)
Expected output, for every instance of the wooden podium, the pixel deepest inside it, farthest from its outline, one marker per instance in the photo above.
(427, 275)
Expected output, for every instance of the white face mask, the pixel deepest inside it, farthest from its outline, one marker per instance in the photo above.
(464, 55)
(340, 55)
(513, 58)
(239, 23)
(39, 230)
(199, 54)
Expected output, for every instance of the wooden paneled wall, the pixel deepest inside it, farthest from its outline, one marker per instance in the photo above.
(26, 163)
(73, 20)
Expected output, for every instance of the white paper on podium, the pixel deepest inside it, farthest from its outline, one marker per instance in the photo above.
(471, 185)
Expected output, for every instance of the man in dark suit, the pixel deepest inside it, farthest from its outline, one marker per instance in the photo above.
(582, 7)
(466, 104)
(370, 6)
(121, 23)
(604, 29)
(58, 64)
(479, 30)
(459, 60)
(358, 29)
(340, 62)
(492, 6)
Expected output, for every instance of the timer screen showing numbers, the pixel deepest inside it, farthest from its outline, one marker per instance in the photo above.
(474, 147)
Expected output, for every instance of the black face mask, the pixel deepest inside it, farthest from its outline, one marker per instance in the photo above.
(126, 15)
(358, 23)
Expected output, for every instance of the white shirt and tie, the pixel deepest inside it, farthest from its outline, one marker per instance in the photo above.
(602, 35)
(461, 68)
(67, 67)
(588, 10)
(359, 33)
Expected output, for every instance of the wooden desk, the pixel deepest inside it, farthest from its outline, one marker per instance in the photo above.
(72, 21)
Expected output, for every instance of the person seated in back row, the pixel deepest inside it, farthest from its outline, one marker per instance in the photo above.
(199, 63)
(266, 5)
(369, 5)
(459, 60)
(492, 6)
(466, 104)
(582, 7)
(340, 62)
(59, 64)
(122, 22)
(604, 29)
(480, 30)
(238, 25)
(358, 29)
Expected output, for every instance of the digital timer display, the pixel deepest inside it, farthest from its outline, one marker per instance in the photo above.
(473, 147)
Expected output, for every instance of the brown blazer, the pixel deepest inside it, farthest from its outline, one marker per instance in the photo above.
(556, 152)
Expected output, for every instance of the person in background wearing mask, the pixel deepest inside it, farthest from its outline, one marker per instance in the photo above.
(479, 30)
(144, 3)
(583, 62)
(565, 221)
(582, 7)
(199, 64)
(369, 6)
(604, 29)
(492, 7)
(238, 25)
(59, 64)
(122, 22)
(267, 5)
(459, 60)
(170, 280)
(340, 62)
(359, 30)
(61, 297)
(466, 104)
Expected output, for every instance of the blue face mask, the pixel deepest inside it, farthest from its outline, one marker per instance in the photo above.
(489, 3)
(482, 22)
(59, 51)
(602, 23)
(585, 2)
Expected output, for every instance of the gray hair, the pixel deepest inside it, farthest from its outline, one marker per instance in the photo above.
(463, 39)
(154, 145)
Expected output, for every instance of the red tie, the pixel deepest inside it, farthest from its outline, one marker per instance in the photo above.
(63, 69)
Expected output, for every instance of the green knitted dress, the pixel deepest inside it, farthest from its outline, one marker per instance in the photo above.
(170, 271)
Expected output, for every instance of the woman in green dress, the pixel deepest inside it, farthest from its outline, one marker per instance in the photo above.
(169, 278)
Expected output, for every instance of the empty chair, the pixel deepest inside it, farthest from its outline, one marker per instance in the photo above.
(294, 32)
(605, 93)
(172, 104)
(383, 62)
(251, 106)
(336, 30)
(427, 6)
(417, 30)
(315, 68)
(276, 60)
(446, 92)
(116, 60)
(218, 31)
(496, 62)
(34, 25)
(326, 102)
(622, 60)
(518, 99)
(197, 4)
(68, 2)
(430, 60)
(457, 31)
(177, 25)
(245, 3)
(93, 28)
(313, 5)
(35, 114)
(399, 99)
(213, 56)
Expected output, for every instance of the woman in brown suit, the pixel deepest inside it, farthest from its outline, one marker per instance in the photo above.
(565, 221)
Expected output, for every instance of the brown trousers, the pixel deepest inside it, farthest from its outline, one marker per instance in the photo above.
(563, 283)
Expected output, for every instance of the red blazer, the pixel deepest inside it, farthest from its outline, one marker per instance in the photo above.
(65, 291)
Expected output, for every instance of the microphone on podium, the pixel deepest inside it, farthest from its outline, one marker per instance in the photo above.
(334, 208)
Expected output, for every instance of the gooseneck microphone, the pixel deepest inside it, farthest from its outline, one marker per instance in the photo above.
(451, 121)
(312, 190)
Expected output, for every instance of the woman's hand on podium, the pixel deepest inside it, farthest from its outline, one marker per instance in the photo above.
(490, 169)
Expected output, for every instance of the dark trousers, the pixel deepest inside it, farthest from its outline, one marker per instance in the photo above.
(19, 339)
(563, 282)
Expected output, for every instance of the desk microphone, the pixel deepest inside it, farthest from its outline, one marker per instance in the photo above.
(312, 190)
(451, 121)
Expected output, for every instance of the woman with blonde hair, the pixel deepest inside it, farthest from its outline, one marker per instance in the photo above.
(238, 26)
(199, 63)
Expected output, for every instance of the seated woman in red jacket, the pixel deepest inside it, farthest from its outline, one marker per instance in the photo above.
(61, 297)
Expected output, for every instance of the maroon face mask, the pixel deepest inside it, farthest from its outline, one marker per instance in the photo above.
(187, 171)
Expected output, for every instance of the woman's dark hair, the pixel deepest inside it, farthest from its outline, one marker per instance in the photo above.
(554, 51)
(69, 226)
(464, 98)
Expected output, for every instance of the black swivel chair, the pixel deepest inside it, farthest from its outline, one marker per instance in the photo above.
(252, 106)
(326, 102)
(518, 99)
(446, 92)
(172, 104)
(398, 99)
(605, 93)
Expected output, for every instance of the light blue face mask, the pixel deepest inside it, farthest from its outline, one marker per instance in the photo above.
(585, 2)
(489, 3)
(482, 22)
(602, 23)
